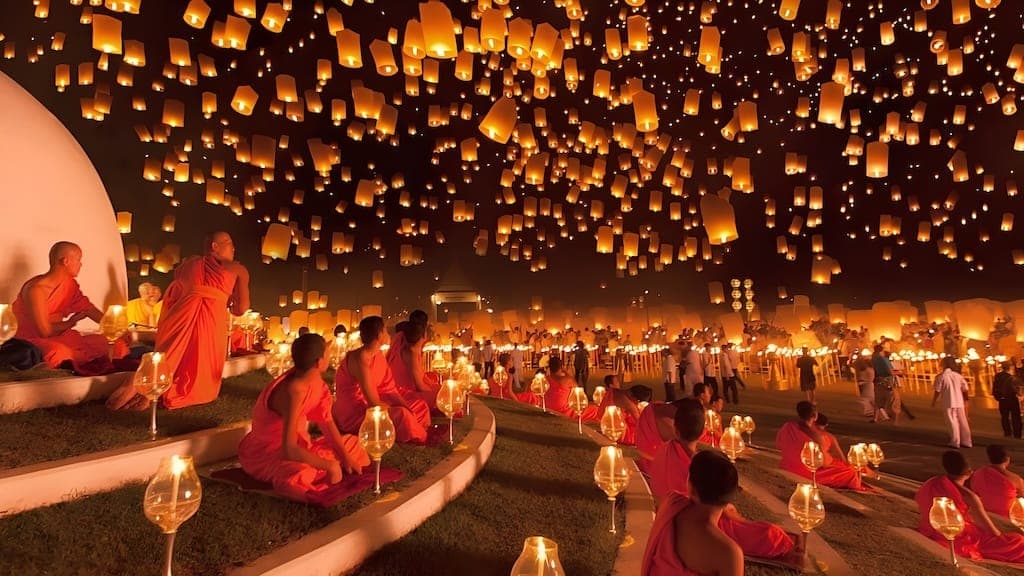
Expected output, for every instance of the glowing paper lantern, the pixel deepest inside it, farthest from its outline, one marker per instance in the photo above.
(106, 34)
(438, 29)
(877, 160)
(500, 120)
(278, 241)
(719, 217)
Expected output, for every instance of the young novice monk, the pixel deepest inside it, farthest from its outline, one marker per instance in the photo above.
(279, 450)
(996, 485)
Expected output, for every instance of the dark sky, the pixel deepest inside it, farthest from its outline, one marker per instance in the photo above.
(575, 274)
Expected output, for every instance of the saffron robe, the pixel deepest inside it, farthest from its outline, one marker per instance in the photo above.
(193, 330)
(790, 441)
(648, 438)
(86, 352)
(350, 405)
(405, 382)
(670, 472)
(261, 452)
(629, 437)
(556, 399)
(995, 490)
(660, 556)
(973, 542)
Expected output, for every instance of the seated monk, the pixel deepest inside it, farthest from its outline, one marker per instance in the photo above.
(560, 385)
(670, 473)
(980, 539)
(995, 484)
(50, 305)
(527, 396)
(364, 379)
(406, 363)
(144, 311)
(503, 391)
(715, 404)
(278, 449)
(654, 427)
(614, 395)
(790, 440)
(685, 538)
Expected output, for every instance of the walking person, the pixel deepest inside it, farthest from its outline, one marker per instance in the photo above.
(1006, 389)
(581, 364)
(952, 388)
(882, 383)
(728, 372)
(808, 381)
(670, 374)
(864, 373)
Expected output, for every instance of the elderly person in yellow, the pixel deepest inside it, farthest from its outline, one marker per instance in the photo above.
(144, 311)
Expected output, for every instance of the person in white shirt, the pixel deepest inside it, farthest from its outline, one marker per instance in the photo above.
(952, 388)
(487, 355)
(693, 372)
(670, 374)
(728, 373)
(517, 367)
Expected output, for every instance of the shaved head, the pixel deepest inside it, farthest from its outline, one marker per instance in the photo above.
(220, 245)
(62, 250)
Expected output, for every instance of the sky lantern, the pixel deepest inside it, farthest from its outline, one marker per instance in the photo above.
(708, 50)
(106, 34)
(716, 292)
(377, 279)
(645, 111)
(520, 32)
(493, 30)
(438, 30)
(278, 241)
(830, 103)
(350, 54)
(877, 164)
(274, 17)
(500, 120)
(244, 100)
(788, 9)
(718, 217)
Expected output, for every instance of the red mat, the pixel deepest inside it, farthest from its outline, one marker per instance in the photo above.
(330, 494)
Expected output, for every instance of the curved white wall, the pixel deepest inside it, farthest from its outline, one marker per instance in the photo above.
(49, 191)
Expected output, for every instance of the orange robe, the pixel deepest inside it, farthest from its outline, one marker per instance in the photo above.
(350, 406)
(556, 399)
(261, 452)
(790, 441)
(193, 330)
(660, 556)
(404, 380)
(87, 353)
(629, 437)
(648, 438)
(973, 542)
(499, 392)
(995, 490)
(670, 472)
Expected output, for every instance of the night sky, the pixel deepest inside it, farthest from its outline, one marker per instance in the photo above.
(896, 78)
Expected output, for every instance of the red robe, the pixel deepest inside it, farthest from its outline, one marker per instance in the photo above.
(86, 352)
(648, 438)
(261, 452)
(499, 392)
(669, 474)
(556, 399)
(404, 379)
(629, 437)
(995, 490)
(973, 542)
(660, 556)
(193, 330)
(350, 406)
(790, 441)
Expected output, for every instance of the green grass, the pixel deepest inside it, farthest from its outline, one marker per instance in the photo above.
(65, 431)
(108, 533)
(538, 482)
(9, 375)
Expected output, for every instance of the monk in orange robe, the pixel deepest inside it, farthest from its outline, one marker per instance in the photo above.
(980, 539)
(278, 449)
(654, 427)
(614, 395)
(685, 538)
(406, 363)
(50, 305)
(560, 385)
(364, 379)
(790, 440)
(670, 472)
(499, 390)
(995, 484)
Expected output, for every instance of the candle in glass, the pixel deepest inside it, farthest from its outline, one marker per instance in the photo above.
(8, 323)
(450, 401)
(578, 403)
(807, 510)
(377, 436)
(151, 380)
(946, 519)
(599, 393)
(539, 386)
(613, 423)
(539, 558)
(812, 458)
(749, 427)
(732, 443)
(172, 497)
(1017, 512)
(611, 474)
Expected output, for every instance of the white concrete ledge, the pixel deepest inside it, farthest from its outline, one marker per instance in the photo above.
(49, 483)
(347, 543)
(25, 395)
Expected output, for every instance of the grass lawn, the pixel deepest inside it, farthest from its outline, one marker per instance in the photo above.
(65, 431)
(108, 533)
(538, 482)
(8, 375)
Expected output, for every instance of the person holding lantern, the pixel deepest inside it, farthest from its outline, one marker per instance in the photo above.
(278, 449)
(790, 440)
(49, 306)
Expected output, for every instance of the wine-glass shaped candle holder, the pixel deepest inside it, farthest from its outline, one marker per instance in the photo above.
(578, 403)
(339, 351)
(599, 393)
(611, 474)
(713, 425)
(732, 443)
(807, 509)
(377, 436)
(172, 497)
(812, 458)
(539, 558)
(874, 454)
(8, 323)
(500, 380)
(613, 423)
(749, 426)
(152, 379)
(858, 457)
(113, 325)
(539, 386)
(736, 422)
(466, 381)
(946, 519)
(1017, 512)
(450, 399)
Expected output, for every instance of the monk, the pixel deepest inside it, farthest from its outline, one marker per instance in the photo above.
(790, 441)
(278, 449)
(49, 306)
(560, 385)
(980, 539)
(670, 472)
(995, 484)
(364, 379)
(614, 395)
(506, 391)
(527, 396)
(654, 427)
(685, 538)
(144, 311)
(406, 363)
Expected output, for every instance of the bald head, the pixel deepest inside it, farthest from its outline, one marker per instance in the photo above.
(144, 289)
(220, 245)
(66, 257)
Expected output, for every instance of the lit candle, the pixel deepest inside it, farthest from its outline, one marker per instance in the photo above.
(177, 467)
(376, 424)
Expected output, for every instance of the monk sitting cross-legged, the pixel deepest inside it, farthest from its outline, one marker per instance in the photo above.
(49, 306)
(995, 484)
(670, 473)
(627, 403)
(980, 538)
(279, 450)
(685, 538)
(560, 385)
(364, 379)
(406, 362)
(790, 440)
